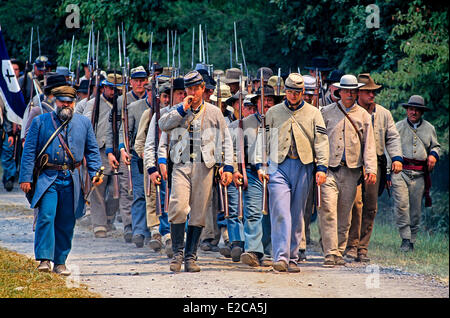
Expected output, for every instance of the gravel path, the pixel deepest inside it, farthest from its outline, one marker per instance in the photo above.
(114, 268)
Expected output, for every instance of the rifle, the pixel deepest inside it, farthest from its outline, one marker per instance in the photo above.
(317, 90)
(241, 156)
(115, 131)
(219, 96)
(279, 81)
(156, 113)
(265, 209)
(125, 125)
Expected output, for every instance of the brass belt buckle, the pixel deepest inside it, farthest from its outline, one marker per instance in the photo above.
(342, 163)
(193, 155)
(65, 167)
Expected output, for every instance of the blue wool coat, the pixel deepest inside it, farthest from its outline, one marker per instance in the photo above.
(82, 143)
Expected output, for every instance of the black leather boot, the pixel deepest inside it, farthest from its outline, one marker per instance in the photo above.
(177, 236)
(190, 253)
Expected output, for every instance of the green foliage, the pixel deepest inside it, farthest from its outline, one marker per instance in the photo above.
(435, 218)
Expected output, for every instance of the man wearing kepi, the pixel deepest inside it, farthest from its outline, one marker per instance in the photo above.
(58, 192)
(420, 149)
(352, 149)
(387, 139)
(297, 141)
(198, 135)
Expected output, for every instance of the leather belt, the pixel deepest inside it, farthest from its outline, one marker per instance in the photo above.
(65, 166)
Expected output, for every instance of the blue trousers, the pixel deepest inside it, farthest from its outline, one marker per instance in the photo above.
(55, 222)
(288, 191)
(138, 207)
(8, 162)
(164, 225)
(252, 227)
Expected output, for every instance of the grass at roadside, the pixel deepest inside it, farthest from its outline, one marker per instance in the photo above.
(20, 279)
(430, 257)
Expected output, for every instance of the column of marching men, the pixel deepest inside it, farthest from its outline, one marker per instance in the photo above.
(241, 166)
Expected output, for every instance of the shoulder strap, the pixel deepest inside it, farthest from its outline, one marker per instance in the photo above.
(49, 141)
(61, 139)
(351, 121)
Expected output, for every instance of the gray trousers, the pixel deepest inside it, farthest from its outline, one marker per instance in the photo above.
(337, 196)
(103, 206)
(191, 193)
(211, 230)
(407, 190)
(126, 199)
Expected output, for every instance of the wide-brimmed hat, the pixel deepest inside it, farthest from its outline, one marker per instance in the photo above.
(273, 80)
(235, 97)
(138, 72)
(416, 101)
(267, 73)
(348, 81)
(64, 93)
(216, 73)
(320, 63)
(63, 70)
(294, 82)
(231, 76)
(335, 76)
(54, 80)
(210, 83)
(268, 91)
(366, 79)
(225, 93)
(83, 87)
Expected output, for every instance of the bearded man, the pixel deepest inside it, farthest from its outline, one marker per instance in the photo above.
(56, 143)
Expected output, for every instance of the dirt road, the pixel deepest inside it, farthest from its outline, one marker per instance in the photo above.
(114, 268)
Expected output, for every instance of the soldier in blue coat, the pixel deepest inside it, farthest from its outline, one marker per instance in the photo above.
(58, 193)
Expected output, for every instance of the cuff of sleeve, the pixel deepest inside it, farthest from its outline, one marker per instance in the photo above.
(258, 166)
(397, 158)
(181, 111)
(108, 151)
(321, 168)
(151, 170)
(228, 168)
(388, 177)
(122, 145)
(162, 160)
(434, 153)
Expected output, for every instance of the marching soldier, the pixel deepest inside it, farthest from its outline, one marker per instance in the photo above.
(386, 139)
(247, 235)
(420, 149)
(159, 226)
(352, 150)
(198, 135)
(297, 140)
(40, 68)
(58, 186)
(138, 78)
(103, 205)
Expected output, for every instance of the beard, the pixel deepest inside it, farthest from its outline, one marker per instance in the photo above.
(64, 113)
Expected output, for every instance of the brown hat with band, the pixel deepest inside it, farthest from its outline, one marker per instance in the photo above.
(368, 81)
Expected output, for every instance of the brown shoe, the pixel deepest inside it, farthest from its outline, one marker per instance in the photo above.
(363, 258)
(250, 259)
(191, 266)
(329, 260)
(351, 253)
(280, 266)
(61, 269)
(44, 266)
(293, 268)
(339, 260)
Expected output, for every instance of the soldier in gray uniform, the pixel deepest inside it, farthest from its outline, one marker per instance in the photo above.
(421, 150)
(387, 139)
(352, 149)
(138, 78)
(199, 136)
(103, 206)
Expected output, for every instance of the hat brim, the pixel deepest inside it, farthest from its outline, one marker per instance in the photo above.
(215, 98)
(65, 98)
(421, 107)
(338, 85)
(139, 75)
(370, 87)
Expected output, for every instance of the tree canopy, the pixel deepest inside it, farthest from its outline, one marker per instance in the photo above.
(407, 53)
